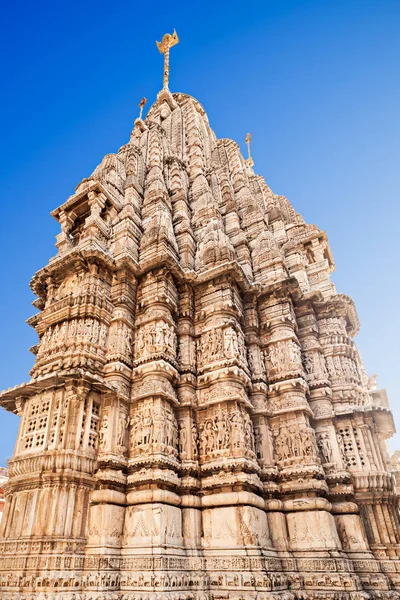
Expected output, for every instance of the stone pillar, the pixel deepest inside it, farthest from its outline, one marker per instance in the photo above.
(187, 423)
(310, 524)
(152, 517)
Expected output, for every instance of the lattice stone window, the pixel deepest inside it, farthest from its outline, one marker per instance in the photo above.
(36, 424)
(39, 439)
(54, 423)
(348, 445)
(359, 447)
(28, 442)
(92, 440)
(35, 409)
(31, 426)
(44, 406)
(94, 424)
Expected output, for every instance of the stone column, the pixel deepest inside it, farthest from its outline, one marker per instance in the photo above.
(187, 424)
(302, 485)
(153, 518)
(109, 499)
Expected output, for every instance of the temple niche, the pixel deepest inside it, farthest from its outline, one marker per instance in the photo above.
(198, 424)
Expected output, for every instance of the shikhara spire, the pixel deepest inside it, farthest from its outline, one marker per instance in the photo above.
(198, 424)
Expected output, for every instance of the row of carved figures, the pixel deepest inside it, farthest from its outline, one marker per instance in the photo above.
(79, 284)
(73, 332)
(223, 429)
(220, 343)
(212, 345)
(294, 442)
(227, 430)
(153, 427)
(156, 337)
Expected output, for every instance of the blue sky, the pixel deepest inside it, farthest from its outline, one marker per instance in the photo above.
(315, 82)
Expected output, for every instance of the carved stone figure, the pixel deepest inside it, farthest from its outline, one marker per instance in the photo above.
(325, 448)
(122, 424)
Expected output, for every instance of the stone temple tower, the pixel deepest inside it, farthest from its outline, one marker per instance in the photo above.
(198, 423)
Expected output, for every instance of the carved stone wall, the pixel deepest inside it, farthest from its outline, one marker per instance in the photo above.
(198, 423)
(3, 481)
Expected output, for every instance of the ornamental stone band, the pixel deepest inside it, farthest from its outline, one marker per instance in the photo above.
(198, 424)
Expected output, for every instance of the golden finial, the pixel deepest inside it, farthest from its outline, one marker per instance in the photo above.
(249, 160)
(167, 42)
(141, 106)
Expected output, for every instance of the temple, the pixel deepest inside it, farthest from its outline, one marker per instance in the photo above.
(198, 424)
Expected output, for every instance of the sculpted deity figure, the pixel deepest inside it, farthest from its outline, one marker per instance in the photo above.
(63, 331)
(273, 356)
(171, 338)
(341, 445)
(248, 432)
(207, 439)
(160, 331)
(88, 330)
(309, 363)
(281, 447)
(127, 341)
(292, 352)
(103, 335)
(114, 340)
(212, 343)
(150, 333)
(294, 442)
(258, 443)
(170, 431)
(242, 348)
(103, 431)
(182, 440)
(142, 428)
(140, 340)
(236, 429)
(219, 342)
(307, 441)
(122, 424)
(324, 445)
(253, 360)
(56, 333)
(72, 328)
(148, 428)
(231, 342)
(220, 428)
(96, 331)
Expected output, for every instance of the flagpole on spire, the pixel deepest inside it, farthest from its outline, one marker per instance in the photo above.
(249, 160)
(166, 43)
(141, 106)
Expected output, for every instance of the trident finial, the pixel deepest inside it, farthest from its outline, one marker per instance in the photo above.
(141, 106)
(249, 160)
(167, 42)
